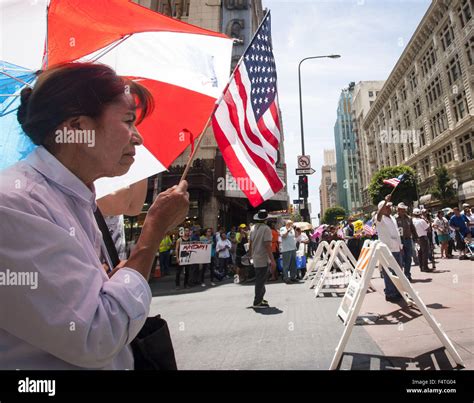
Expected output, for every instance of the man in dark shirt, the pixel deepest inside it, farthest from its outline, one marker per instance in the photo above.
(407, 235)
(459, 223)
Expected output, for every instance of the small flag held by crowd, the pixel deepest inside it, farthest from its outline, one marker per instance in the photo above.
(369, 228)
(394, 182)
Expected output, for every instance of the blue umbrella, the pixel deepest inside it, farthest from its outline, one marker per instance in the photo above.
(14, 144)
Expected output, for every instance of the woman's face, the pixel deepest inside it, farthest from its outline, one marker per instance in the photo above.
(114, 140)
(117, 136)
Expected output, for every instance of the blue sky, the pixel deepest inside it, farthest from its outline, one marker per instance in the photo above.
(370, 36)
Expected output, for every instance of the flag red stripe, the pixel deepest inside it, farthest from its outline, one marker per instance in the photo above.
(275, 115)
(269, 136)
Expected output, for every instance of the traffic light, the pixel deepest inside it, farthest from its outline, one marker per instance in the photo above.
(303, 187)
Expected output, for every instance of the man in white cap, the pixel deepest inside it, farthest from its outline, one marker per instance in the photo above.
(422, 228)
(387, 230)
(260, 249)
(288, 252)
(407, 235)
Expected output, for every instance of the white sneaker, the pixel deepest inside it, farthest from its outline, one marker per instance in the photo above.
(203, 284)
(213, 284)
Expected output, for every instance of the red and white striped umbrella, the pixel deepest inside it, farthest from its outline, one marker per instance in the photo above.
(185, 67)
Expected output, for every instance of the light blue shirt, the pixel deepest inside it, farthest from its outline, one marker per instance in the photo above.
(77, 317)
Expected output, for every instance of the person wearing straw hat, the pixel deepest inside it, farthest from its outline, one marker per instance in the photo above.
(388, 234)
(260, 249)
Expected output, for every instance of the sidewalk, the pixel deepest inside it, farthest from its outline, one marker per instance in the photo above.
(448, 292)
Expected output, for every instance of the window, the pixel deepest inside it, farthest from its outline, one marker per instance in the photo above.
(453, 69)
(411, 149)
(465, 12)
(422, 137)
(412, 80)
(444, 155)
(403, 93)
(466, 146)
(438, 123)
(469, 48)
(371, 103)
(402, 153)
(433, 91)
(398, 126)
(425, 166)
(395, 103)
(406, 119)
(446, 35)
(371, 94)
(417, 107)
(460, 106)
(428, 60)
(173, 8)
(389, 111)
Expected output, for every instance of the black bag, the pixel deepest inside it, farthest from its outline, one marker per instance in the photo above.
(152, 347)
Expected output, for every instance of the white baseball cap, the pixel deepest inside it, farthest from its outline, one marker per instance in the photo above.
(381, 203)
(402, 206)
(416, 211)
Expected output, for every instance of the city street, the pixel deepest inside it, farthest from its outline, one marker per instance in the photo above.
(215, 328)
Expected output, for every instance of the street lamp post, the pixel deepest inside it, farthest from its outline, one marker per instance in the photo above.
(307, 218)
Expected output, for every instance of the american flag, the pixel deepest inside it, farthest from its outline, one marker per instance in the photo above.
(394, 181)
(369, 228)
(246, 123)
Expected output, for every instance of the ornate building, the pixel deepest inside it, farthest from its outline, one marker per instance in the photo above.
(424, 114)
(214, 196)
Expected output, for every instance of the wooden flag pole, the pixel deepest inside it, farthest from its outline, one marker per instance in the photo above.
(191, 157)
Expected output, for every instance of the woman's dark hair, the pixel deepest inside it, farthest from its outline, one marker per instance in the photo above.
(74, 89)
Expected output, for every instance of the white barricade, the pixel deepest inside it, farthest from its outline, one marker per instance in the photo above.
(378, 252)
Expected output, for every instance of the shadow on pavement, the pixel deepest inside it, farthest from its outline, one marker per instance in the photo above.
(432, 360)
(437, 306)
(165, 286)
(267, 311)
(402, 315)
(425, 280)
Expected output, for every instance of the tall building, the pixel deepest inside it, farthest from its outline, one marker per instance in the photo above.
(215, 198)
(348, 195)
(424, 114)
(328, 187)
(365, 93)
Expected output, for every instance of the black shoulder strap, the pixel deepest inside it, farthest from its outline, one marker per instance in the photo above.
(109, 243)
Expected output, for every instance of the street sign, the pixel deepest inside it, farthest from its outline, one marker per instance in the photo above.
(304, 162)
(305, 171)
(297, 201)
